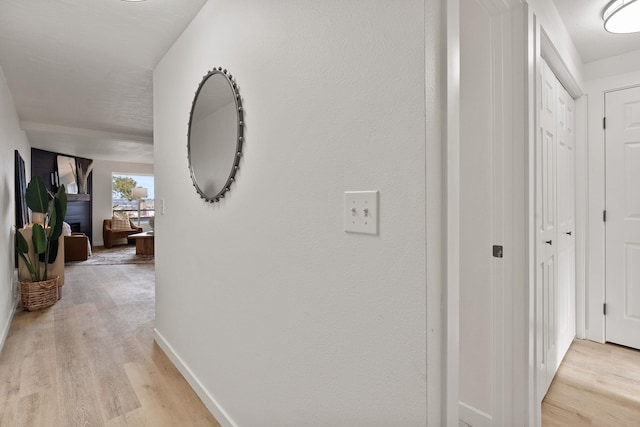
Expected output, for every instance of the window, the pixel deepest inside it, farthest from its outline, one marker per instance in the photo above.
(124, 202)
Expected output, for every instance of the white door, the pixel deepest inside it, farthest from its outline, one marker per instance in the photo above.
(565, 289)
(622, 226)
(546, 222)
(555, 223)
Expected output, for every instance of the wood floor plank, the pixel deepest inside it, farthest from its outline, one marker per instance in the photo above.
(37, 373)
(180, 390)
(552, 416)
(8, 413)
(38, 409)
(138, 418)
(116, 394)
(79, 398)
(91, 360)
(596, 385)
(148, 387)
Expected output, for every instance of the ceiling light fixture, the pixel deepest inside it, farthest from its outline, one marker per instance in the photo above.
(622, 16)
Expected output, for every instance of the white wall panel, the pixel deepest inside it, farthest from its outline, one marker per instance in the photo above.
(11, 138)
(281, 317)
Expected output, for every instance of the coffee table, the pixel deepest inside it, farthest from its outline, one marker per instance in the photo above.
(144, 243)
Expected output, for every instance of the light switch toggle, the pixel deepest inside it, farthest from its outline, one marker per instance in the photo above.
(361, 212)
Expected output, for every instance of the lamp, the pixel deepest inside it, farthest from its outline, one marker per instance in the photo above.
(622, 16)
(139, 193)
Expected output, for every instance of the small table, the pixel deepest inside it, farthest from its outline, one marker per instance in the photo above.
(144, 243)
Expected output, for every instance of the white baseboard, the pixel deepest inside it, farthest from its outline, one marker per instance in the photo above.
(473, 417)
(212, 405)
(7, 326)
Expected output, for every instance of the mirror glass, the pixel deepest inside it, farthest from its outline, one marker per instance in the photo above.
(215, 135)
(67, 174)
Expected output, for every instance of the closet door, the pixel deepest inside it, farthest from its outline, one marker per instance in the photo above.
(546, 224)
(555, 223)
(565, 289)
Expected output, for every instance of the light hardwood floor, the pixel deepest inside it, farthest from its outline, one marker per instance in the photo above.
(90, 360)
(596, 385)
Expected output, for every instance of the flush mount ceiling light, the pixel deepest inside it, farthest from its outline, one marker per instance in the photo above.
(622, 16)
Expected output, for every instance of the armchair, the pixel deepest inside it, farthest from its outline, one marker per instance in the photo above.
(108, 233)
(76, 247)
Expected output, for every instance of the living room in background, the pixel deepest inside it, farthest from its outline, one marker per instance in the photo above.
(125, 202)
(80, 207)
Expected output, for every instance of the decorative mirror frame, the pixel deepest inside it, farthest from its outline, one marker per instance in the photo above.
(240, 135)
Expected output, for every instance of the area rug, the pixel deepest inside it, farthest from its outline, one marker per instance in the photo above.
(125, 254)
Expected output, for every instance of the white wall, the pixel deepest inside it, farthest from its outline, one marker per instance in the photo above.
(613, 66)
(102, 174)
(280, 317)
(11, 138)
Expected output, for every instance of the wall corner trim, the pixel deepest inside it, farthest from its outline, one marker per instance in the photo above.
(212, 405)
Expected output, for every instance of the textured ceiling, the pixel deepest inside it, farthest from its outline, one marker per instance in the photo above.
(86, 66)
(584, 23)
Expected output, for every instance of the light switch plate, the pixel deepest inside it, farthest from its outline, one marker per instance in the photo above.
(361, 212)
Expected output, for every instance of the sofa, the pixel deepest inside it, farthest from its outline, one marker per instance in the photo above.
(110, 233)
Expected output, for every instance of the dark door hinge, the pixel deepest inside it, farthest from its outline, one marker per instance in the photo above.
(604, 309)
(604, 123)
(604, 216)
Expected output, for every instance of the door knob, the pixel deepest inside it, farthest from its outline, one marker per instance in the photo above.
(568, 233)
(549, 242)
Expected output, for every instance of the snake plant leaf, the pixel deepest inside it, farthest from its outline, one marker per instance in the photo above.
(39, 239)
(22, 244)
(55, 224)
(55, 220)
(22, 247)
(53, 251)
(37, 196)
(61, 196)
(30, 267)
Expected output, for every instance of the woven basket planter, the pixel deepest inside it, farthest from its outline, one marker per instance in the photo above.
(38, 295)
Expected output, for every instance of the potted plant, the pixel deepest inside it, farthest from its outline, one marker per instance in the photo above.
(44, 238)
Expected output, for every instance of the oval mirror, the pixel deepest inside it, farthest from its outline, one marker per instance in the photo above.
(215, 135)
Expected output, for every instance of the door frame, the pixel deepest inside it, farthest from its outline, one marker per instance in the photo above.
(512, 34)
(550, 54)
(502, 45)
(524, 41)
(542, 48)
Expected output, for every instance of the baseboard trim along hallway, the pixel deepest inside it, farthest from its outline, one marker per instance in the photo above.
(212, 405)
(7, 325)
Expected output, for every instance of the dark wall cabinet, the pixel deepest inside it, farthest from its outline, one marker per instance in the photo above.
(80, 206)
